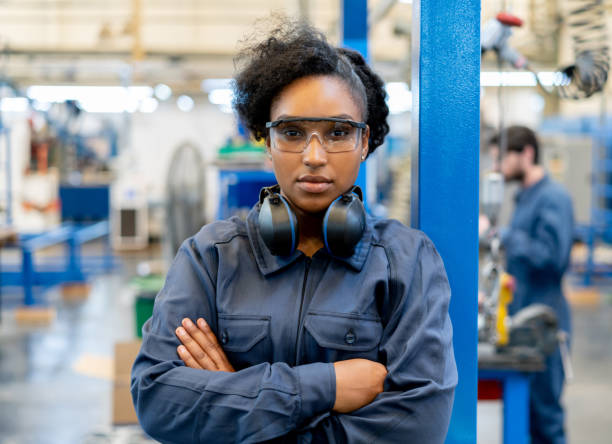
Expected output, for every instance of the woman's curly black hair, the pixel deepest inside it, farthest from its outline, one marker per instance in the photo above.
(293, 50)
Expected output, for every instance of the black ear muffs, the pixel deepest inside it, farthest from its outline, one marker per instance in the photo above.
(343, 223)
(277, 222)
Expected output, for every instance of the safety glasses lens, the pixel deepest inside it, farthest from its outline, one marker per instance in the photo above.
(334, 136)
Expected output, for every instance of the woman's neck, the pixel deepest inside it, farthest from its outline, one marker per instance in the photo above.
(311, 233)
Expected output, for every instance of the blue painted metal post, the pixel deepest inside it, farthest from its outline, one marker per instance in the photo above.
(355, 36)
(516, 408)
(73, 251)
(445, 91)
(27, 264)
(355, 25)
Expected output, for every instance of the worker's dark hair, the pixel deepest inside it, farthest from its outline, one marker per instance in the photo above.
(292, 50)
(516, 139)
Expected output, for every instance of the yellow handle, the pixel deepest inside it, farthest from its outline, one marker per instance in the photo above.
(506, 294)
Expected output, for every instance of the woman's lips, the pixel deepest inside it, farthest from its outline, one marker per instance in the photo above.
(314, 184)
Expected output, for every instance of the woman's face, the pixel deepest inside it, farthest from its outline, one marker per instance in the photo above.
(311, 180)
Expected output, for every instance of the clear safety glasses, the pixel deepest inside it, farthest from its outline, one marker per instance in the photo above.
(335, 135)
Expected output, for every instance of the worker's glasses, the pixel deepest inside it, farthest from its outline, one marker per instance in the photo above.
(335, 135)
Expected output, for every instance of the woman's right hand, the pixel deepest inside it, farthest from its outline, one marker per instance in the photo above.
(358, 382)
(199, 347)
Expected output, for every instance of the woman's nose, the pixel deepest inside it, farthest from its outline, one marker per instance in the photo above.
(314, 153)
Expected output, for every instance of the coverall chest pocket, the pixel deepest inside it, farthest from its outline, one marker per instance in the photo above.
(338, 336)
(245, 339)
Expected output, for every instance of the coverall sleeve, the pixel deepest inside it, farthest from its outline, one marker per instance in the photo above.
(417, 350)
(178, 404)
(549, 243)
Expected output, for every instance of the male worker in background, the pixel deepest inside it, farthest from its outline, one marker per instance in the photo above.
(537, 245)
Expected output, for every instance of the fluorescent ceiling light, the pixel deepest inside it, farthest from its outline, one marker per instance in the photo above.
(209, 85)
(184, 103)
(163, 91)
(148, 105)
(14, 104)
(221, 96)
(61, 93)
(399, 97)
(41, 106)
(101, 99)
(520, 78)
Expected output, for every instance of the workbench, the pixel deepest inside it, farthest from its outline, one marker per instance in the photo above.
(72, 268)
(506, 375)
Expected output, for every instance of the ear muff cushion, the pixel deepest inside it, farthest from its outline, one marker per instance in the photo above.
(343, 225)
(278, 225)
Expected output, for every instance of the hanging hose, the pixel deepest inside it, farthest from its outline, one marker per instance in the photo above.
(587, 28)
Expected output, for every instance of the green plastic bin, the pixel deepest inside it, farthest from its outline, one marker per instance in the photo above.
(147, 288)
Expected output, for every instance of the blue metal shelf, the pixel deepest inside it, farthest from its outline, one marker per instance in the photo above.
(71, 268)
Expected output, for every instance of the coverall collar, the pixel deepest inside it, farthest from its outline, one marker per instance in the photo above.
(526, 192)
(269, 263)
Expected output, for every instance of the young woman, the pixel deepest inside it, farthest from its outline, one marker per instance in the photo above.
(309, 321)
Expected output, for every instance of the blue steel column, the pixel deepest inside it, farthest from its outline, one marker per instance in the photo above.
(445, 147)
(516, 406)
(27, 266)
(355, 36)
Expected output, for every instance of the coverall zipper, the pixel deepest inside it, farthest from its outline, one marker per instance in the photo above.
(297, 336)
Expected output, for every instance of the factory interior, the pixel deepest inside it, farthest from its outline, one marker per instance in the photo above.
(118, 141)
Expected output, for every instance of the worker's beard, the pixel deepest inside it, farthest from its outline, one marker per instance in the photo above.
(515, 176)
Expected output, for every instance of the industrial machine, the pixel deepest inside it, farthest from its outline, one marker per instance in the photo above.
(129, 215)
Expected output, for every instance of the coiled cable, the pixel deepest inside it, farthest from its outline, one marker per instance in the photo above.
(586, 23)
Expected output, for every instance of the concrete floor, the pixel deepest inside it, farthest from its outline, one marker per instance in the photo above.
(55, 381)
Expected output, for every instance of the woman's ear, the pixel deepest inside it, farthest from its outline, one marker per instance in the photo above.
(365, 138)
(268, 146)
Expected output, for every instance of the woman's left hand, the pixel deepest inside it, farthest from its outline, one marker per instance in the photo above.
(200, 348)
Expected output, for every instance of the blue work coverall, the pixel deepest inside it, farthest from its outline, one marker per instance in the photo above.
(282, 322)
(538, 244)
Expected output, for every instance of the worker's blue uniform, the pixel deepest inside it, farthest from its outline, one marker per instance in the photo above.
(282, 322)
(538, 245)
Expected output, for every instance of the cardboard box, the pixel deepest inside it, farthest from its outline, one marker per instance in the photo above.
(123, 409)
(34, 315)
(76, 291)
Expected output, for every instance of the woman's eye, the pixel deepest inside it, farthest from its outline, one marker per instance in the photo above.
(291, 132)
(339, 132)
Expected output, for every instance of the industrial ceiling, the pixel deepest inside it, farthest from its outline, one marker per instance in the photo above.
(181, 42)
